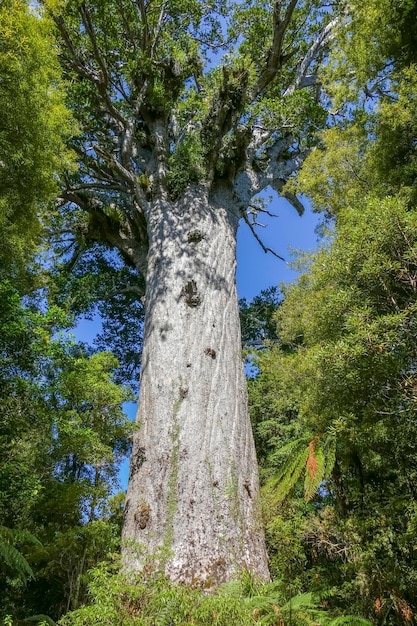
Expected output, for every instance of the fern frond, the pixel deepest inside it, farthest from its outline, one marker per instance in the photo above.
(15, 560)
(306, 600)
(288, 451)
(10, 555)
(308, 610)
(290, 474)
(14, 535)
(315, 471)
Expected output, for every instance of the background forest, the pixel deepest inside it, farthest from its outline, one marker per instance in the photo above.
(332, 384)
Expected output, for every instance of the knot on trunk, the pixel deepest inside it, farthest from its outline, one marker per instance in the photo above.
(136, 461)
(195, 236)
(190, 294)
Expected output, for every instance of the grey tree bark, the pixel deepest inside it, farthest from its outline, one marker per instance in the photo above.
(193, 487)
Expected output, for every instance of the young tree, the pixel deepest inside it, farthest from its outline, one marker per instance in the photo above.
(187, 111)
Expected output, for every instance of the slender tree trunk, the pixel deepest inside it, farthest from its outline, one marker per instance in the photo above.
(193, 486)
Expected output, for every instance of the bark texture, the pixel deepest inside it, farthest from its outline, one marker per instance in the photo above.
(193, 487)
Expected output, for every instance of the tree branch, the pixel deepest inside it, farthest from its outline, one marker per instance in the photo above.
(85, 16)
(122, 233)
(80, 67)
(258, 239)
(302, 79)
(272, 170)
(275, 60)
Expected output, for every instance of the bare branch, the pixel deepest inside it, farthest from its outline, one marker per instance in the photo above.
(259, 240)
(292, 199)
(272, 171)
(128, 135)
(127, 175)
(260, 136)
(97, 78)
(158, 180)
(158, 28)
(260, 209)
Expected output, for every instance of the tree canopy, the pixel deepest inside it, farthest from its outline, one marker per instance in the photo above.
(169, 96)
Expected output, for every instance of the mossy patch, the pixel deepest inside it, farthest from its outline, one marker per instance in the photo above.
(171, 502)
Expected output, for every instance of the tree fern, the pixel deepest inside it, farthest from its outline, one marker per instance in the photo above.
(306, 608)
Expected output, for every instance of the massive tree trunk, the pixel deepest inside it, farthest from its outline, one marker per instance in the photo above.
(193, 488)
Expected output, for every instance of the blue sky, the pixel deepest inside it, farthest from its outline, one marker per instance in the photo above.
(288, 231)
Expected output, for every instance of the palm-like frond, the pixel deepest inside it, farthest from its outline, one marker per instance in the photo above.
(291, 470)
(11, 556)
(315, 459)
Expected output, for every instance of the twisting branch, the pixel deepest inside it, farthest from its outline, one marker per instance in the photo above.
(259, 240)
(125, 174)
(121, 233)
(253, 178)
(128, 134)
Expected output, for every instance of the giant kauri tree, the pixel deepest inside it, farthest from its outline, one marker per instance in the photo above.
(186, 112)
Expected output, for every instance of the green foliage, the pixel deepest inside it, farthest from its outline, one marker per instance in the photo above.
(151, 599)
(186, 165)
(348, 325)
(372, 147)
(34, 124)
(331, 405)
(11, 556)
(315, 461)
(94, 282)
(256, 318)
(62, 437)
(332, 395)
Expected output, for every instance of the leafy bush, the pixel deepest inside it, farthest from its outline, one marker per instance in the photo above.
(149, 599)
